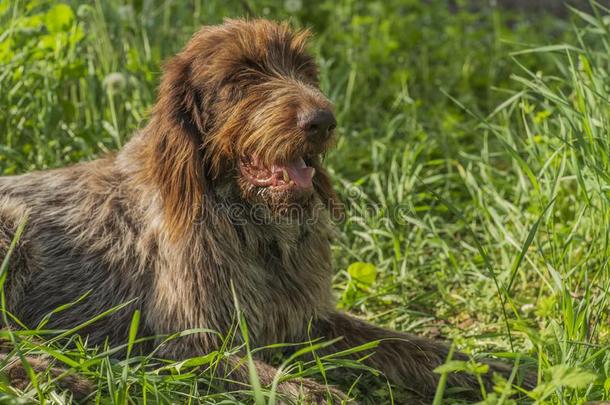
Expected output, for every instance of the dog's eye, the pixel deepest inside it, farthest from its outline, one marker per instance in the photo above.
(308, 70)
(311, 78)
(249, 76)
(232, 92)
(237, 83)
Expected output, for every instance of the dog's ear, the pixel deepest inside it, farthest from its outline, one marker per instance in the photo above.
(175, 138)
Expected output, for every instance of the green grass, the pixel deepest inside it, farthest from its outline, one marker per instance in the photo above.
(474, 160)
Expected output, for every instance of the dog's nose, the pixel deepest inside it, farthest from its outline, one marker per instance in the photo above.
(318, 124)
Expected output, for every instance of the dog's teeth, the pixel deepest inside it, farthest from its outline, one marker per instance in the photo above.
(286, 176)
(313, 172)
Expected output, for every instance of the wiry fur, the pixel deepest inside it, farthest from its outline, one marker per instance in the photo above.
(152, 223)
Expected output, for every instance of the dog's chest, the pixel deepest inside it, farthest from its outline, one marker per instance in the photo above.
(286, 283)
(279, 277)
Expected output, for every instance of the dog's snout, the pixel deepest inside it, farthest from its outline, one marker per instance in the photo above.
(318, 123)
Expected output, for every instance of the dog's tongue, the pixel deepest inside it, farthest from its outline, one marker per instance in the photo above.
(300, 173)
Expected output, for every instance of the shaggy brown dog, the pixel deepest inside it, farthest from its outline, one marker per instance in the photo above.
(220, 200)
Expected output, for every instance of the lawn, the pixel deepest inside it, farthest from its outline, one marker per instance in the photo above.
(473, 159)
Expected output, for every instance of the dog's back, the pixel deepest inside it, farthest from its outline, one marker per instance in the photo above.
(78, 241)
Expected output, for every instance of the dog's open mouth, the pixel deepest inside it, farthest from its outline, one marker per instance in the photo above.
(295, 174)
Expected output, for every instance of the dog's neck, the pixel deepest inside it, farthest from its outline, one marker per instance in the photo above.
(221, 201)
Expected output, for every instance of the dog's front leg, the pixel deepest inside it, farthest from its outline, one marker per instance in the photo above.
(405, 359)
(16, 373)
(300, 390)
(234, 374)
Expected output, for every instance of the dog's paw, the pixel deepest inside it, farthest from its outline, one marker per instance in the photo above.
(306, 391)
(18, 377)
(524, 378)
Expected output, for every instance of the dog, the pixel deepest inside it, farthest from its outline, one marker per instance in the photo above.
(221, 202)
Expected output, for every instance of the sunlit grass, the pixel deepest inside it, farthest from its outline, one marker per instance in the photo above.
(473, 159)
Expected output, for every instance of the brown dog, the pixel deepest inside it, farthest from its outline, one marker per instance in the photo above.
(220, 200)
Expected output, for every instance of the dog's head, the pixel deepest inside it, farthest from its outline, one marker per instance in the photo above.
(241, 106)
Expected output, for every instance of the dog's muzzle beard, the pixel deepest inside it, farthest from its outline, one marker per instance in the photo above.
(288, 177)
(280, 187)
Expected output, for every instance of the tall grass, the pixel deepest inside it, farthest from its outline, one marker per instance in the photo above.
(473, 159)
